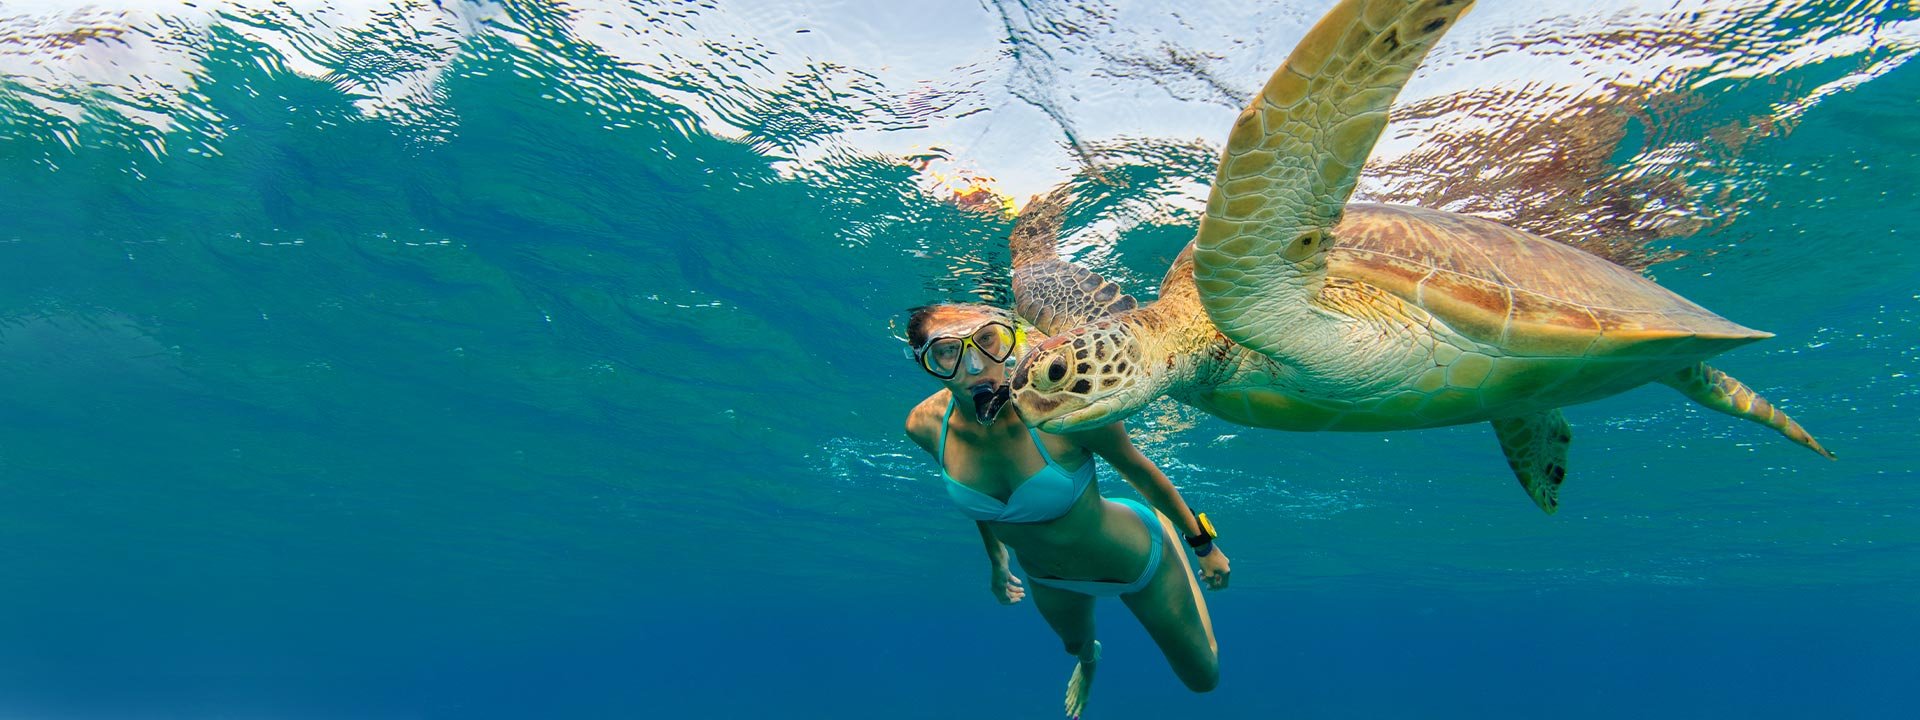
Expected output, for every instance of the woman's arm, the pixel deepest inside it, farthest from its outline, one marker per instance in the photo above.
(1004, 585)
(996, 551)
(1111, 443)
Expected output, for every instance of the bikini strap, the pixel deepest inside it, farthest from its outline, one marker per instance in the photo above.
(942, 455)
(1042, 447)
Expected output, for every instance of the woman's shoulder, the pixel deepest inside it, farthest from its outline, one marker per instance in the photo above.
(923, 422)
(1109, 439)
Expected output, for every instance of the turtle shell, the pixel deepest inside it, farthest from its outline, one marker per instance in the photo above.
(1520, 293)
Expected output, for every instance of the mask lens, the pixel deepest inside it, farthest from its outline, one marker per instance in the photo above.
(942, 357)
(995, 341)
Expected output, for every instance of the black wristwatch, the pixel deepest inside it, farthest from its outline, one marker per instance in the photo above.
(1202, 543)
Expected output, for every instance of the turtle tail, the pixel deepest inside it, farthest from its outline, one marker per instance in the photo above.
(1708, 386)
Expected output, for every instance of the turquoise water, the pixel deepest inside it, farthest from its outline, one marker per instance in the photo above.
(563, 384)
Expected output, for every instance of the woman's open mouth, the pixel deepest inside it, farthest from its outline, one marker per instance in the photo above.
(988, 399)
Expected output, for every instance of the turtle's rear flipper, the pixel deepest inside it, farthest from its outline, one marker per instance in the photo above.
(1536, 447)
(1710, 387)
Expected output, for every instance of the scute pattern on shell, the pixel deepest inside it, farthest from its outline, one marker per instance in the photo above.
(1519, 292)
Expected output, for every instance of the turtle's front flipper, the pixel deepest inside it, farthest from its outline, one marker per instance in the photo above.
(1536, 447)
(1291, 162)
(1708, 386)
(1051, 293)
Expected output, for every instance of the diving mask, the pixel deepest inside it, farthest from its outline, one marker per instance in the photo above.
(941, 356)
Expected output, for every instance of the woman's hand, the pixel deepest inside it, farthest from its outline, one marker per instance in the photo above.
(1213, 569)
(1007, 588)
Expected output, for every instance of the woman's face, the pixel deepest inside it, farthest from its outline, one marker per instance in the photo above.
(974, 346)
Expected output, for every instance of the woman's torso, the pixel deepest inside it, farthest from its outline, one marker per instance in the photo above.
(1091, 539)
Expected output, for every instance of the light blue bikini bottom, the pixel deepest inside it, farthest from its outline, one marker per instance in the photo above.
(1106, 588)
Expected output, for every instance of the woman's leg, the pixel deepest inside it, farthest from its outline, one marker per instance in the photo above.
(1071, 616)
(1175, 615)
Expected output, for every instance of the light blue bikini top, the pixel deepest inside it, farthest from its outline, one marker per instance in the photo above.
(1045, 496)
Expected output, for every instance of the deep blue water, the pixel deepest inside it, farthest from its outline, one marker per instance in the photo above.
(569, 387)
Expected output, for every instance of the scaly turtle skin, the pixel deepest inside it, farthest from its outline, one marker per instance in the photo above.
(1295, 310)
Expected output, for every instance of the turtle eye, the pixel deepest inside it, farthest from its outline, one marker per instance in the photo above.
(1057, 370)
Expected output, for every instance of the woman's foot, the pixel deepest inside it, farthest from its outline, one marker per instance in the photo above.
(1080, 686)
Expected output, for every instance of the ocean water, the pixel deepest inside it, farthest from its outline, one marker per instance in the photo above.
(371, 359)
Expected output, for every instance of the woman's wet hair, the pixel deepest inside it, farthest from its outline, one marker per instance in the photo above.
(919, 318)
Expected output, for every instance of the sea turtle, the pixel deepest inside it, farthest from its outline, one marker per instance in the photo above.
(1292, 309)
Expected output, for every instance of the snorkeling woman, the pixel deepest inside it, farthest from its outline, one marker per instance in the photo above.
(1033, 493)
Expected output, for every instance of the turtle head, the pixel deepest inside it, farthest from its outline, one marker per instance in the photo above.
(1086, 377)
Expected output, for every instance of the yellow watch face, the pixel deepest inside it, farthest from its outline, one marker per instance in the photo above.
(1206, 525)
